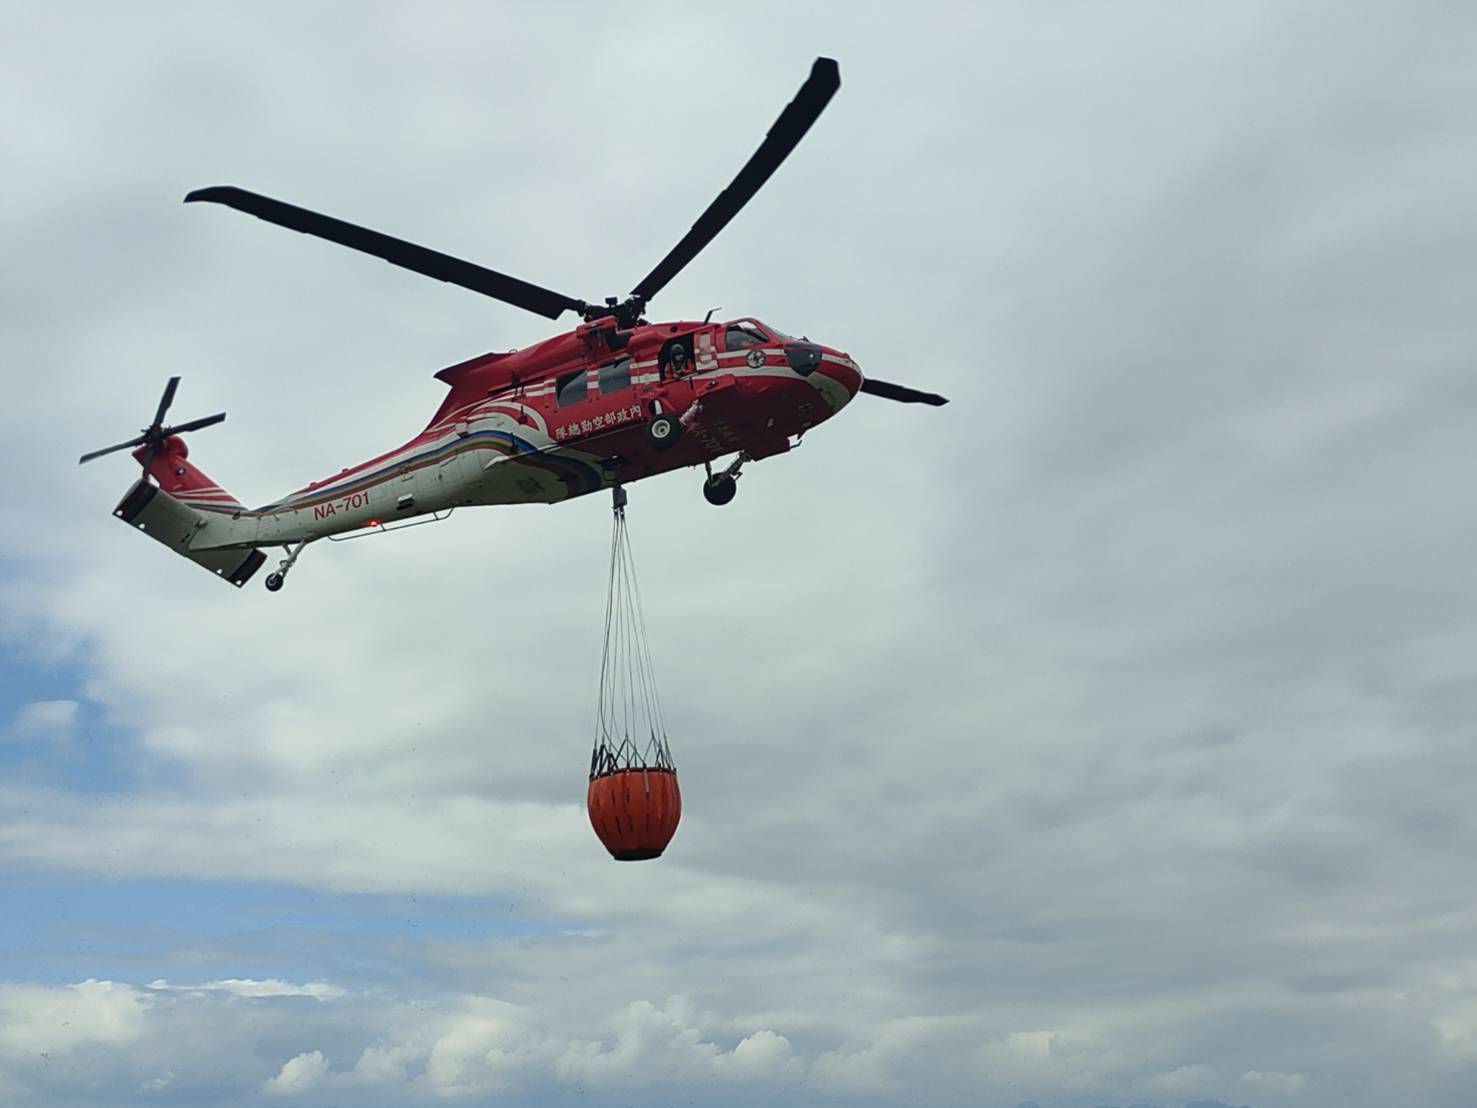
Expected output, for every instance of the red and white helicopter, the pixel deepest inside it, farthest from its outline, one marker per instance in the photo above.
(615, 400)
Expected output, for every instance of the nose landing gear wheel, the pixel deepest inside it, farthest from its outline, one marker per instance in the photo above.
(274, 582)
(719, 490)
(663, 431)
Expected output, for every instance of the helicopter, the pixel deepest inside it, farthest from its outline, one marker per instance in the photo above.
(612, 401)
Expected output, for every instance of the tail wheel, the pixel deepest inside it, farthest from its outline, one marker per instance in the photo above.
(719, 490)
(663, 431)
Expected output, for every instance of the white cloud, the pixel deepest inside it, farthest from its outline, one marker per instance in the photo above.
(483, 1050)
(298, 1075)
(47, 1020)
(483, 1046)
(389, 1065)
(761, 1058)
(245, 987)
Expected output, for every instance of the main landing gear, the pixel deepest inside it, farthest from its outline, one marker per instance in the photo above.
(720, 488)
(276, 580)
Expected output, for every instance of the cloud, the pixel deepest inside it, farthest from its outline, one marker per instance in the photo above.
(1102, 736)
(184, 1038)
(156, 1084)
(53, 720)
(41, 1020)
(298, 1075)
(761, 1058)
(1180, 1082)
(1273, 1084)
(317, 990)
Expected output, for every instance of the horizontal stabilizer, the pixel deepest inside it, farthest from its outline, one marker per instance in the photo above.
(164, 519)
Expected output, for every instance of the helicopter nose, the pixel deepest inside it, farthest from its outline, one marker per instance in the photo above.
(830, 372)
(845, 372)
(841, 369)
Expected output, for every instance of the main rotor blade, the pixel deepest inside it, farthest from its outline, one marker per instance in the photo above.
(888, 391)
(111, 449)
(407, 255)
(788, 130)
(194, 424)
(165, 401)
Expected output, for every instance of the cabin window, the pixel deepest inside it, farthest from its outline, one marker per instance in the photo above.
(740, 335)
(615, 376)
(571, 387)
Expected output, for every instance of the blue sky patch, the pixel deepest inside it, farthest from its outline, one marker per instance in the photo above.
(187, 932)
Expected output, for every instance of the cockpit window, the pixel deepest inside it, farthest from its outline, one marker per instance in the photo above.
(744, 333)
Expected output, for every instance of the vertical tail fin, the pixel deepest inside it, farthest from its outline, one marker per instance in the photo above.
(183, 480)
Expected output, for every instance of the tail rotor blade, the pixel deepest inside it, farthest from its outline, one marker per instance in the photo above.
(112, 449)
(151, 453)
(155, 434)
(165, 401)
(193, 425)
(901, 393)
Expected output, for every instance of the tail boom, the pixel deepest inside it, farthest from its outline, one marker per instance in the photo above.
(178, 526)
(191, 514)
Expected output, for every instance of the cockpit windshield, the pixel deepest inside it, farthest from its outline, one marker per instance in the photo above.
(745, 332)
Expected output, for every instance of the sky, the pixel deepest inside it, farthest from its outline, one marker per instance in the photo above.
(1102, 738)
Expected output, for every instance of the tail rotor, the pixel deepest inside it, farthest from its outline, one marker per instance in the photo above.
(155, 433)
